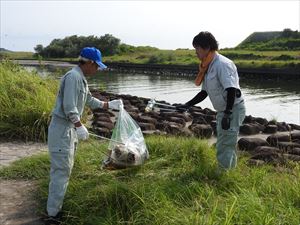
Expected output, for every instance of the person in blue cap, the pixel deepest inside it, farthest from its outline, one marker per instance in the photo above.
(66, 128)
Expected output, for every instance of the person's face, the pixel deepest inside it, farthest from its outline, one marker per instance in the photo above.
(91, 68)
(201, 52)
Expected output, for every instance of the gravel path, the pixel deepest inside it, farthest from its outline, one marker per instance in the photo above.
(17, 206)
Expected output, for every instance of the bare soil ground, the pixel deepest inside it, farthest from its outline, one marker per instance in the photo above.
(17, 205)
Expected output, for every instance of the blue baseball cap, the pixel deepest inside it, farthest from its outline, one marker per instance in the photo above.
(93, 54)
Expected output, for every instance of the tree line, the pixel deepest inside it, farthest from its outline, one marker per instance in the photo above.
(69, 47)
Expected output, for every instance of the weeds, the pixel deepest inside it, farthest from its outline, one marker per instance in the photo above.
(26, 102)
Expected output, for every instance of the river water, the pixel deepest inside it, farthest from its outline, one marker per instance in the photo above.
(279, 100)
(268, 99)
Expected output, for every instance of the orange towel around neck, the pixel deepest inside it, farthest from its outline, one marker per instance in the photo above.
(203, 67)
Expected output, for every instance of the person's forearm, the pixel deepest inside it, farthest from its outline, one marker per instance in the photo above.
(198, 98)
(231, 92)
(95, 103)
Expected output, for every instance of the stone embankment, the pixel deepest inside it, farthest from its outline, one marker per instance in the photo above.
(192, 70)
(265, 141)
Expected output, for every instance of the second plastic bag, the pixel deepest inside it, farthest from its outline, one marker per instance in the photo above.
(127, 146)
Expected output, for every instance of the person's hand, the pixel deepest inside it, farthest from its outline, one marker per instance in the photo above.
(226, 120)
(115, 104)
(182, 108)
(82, 132)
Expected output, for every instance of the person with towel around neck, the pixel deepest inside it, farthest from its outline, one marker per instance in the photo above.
(220, 81)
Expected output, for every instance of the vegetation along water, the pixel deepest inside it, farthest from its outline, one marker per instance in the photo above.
(180, 184)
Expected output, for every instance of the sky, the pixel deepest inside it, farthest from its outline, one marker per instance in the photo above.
(162, 24)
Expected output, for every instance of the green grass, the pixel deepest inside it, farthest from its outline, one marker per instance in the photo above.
(16, 55)
(262, 53)
(267, 64)
(243, 58)
(179, 184)
(26, 102)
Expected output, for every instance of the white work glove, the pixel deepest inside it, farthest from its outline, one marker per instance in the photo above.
(82, 132)
(115, 104)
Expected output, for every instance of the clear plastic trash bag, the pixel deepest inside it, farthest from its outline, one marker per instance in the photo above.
(127, 146)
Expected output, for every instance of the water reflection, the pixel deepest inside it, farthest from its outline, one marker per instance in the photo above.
(269, 86)
(268, 99)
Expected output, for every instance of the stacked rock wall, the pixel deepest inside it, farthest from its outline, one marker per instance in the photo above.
(198, 122)
(276, 149)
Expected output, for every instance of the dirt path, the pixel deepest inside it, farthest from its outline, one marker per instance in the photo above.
(17, 205)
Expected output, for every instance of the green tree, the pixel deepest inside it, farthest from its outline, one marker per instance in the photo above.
(109, 44)
(70, 46)
(39, 49)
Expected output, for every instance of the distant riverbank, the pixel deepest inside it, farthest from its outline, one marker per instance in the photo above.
(179, 70)
(191, 70)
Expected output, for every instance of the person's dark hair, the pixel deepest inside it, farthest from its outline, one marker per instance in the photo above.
(205, 40)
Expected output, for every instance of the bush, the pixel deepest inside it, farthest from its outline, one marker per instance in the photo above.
(155, 59)
(161, 58)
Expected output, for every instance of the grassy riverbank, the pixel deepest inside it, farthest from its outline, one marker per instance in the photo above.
(26, 101)
(242, 58)
(148, 55)
(179, 184)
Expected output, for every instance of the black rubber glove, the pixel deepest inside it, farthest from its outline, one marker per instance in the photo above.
(226, 120)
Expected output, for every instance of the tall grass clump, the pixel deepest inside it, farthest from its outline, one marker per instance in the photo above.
(26, 102)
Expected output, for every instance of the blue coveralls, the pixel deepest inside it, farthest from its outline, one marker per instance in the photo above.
(222, 74)
(62, 138)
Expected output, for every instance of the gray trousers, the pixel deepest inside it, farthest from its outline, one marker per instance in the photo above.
(227, 139)
(62, 142)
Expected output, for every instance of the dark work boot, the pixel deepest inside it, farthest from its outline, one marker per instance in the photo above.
(53, 220)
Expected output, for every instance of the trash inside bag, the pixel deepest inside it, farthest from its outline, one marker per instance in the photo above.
(127, 146)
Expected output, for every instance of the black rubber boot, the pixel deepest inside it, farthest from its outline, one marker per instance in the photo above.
(53, 220)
